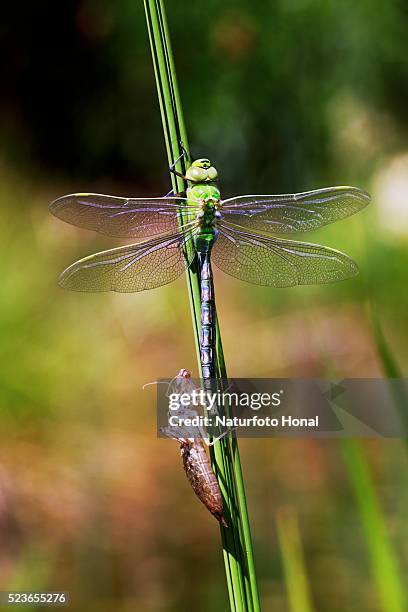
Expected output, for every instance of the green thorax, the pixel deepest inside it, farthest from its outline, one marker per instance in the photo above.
(207, 196)
(203, 192)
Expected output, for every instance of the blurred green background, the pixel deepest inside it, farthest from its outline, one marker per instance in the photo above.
(282, 96)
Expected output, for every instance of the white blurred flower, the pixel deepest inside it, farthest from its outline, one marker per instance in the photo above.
(390, 193)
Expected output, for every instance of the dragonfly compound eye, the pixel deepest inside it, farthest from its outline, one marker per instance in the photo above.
(212, 173)
(196, 174)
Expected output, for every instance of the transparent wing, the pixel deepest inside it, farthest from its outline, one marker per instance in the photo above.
(295, 212)
(279, 263)
(122, 217)
(131, 268)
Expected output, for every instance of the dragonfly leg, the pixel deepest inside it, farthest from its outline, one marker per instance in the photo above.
(215, 439)
(187, 156)
(171, 193)
(173, 166)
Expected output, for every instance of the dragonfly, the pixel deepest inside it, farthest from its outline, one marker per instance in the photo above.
(243, 235)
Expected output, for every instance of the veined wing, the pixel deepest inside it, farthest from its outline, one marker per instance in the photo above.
(122, 217)
(136, 267)
(295, 212)
(279, 263)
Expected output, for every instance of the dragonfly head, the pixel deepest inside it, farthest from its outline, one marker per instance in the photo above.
(201, 171)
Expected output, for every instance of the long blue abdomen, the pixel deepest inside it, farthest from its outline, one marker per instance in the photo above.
(208, 317)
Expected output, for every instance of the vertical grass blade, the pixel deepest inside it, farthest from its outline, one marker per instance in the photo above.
(390, 367)
(388, 361)
(237, 546)
(293, 562)
(384, 563)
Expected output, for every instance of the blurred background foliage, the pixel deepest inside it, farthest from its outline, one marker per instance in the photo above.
(282, 96)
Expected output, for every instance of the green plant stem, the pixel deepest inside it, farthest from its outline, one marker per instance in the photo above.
(236, 539)
(293, 562)
(391, 368)
(384, 563)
